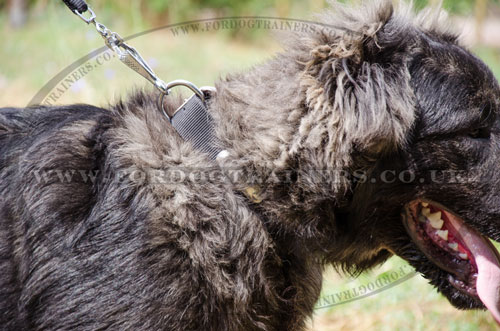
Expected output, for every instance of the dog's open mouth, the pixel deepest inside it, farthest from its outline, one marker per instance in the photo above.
(470, 259)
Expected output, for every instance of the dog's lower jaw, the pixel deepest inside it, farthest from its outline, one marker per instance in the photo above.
(475, 266)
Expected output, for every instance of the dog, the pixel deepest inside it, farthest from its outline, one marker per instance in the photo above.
(374, 133)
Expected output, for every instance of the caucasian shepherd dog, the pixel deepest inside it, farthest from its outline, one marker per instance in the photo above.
(374, 133)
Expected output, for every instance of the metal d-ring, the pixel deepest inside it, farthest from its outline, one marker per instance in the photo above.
(179, 82)
(89, 20)
(191, 86)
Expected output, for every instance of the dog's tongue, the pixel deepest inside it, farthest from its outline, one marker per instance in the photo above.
(488, 265)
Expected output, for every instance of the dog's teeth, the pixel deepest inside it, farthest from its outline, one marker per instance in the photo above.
(424, 204)
(426, 211)
(443, 234)
(453, 246)
(422, 219)
(437, 224)
(434, 216)
(435, 219)
(463, 256)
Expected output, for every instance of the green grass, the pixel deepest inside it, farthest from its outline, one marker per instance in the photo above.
(411, 305)
(30, 57)
(491, 57)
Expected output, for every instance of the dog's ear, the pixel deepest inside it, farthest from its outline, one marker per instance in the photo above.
(356, 82)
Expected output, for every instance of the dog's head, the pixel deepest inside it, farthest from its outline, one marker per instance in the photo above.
(414, 117)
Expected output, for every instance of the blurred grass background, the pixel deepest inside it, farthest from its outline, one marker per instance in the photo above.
(41, 37)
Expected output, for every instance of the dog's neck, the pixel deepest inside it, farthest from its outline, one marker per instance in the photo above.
(258, 117)
(284, 124)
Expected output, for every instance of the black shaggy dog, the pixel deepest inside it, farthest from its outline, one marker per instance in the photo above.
(378, 130)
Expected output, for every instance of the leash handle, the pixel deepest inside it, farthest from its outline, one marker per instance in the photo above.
(78, 6)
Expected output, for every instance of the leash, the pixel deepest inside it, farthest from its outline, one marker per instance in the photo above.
(192, 119)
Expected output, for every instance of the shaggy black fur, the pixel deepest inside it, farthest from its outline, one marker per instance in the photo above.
(87, 242)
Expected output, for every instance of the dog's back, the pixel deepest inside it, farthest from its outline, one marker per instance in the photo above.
(34, 210)
(91, 239)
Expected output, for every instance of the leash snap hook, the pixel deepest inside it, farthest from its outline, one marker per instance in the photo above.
(129, 56)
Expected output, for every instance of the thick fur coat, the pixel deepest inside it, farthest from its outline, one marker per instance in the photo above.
(106, 224)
